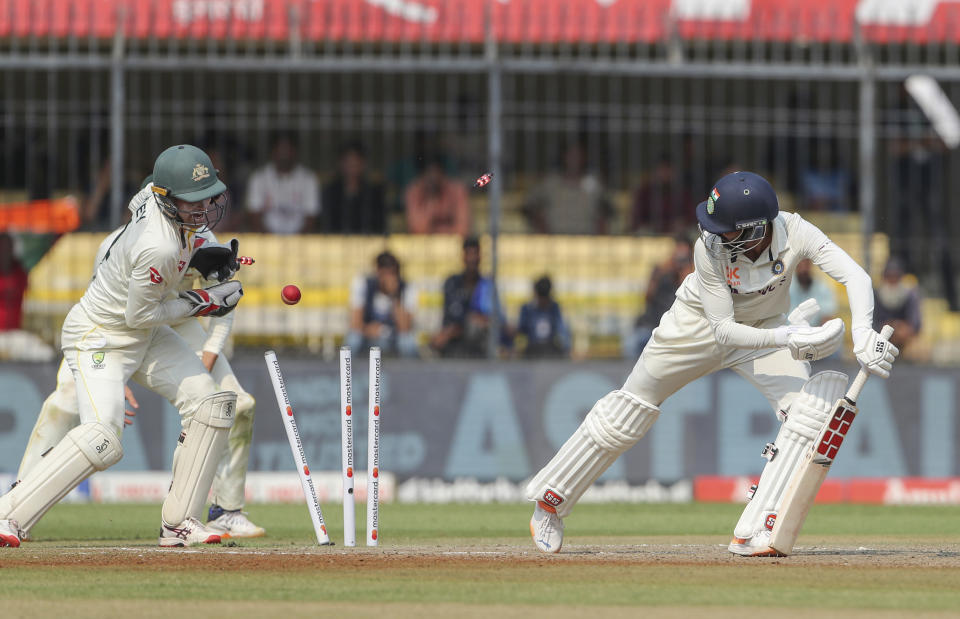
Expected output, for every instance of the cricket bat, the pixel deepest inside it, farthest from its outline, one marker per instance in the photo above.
(806, 481)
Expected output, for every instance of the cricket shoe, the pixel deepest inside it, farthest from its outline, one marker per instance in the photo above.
(546, 528)
(232, 523)
(190, 532)
(756, 546)
(9, 533)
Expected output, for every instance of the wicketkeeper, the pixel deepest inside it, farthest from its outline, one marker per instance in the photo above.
(121, 329)
(60, 414)
(731, 312)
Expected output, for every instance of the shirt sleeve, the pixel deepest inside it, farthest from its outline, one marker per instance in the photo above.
(148, 285)
(311, 200)
(718, 306)
(255, 193)
(217, 333)
(840, 266)
(411, 298)
(358, 292)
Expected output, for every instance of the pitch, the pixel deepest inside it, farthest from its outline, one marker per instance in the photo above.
(478, 560)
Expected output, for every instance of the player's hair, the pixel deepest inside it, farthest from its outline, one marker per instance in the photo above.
(386, 260)
(543, 286)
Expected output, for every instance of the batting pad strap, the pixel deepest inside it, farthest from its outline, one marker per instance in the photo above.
(618, 420)
(202, 445)
(813, 404)
(88, 448)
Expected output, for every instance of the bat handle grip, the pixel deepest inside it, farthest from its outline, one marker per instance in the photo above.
(857, 386)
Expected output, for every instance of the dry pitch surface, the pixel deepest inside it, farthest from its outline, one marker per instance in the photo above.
(481, 565)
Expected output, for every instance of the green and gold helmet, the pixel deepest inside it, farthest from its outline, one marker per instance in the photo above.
(185, 173)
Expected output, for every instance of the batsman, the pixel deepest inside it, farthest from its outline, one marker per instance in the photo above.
(731, 312)
(121, 330)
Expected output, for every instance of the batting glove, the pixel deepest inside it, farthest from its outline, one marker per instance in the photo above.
(874, 353)
(216, 300)
(811, 343)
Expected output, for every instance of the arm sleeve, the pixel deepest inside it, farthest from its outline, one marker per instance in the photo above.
(217, 333)
(146, 306)
(840, 266)
(718, 306)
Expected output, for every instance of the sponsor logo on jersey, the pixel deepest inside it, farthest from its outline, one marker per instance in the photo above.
(155, 276)
(552, 498)
(197, 242)
(98, 360)
(733, 276)
(200, 172)
(181, 264)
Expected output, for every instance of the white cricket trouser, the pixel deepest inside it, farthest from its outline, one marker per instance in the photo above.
(60, 414)
(103, 359)
(683, 348)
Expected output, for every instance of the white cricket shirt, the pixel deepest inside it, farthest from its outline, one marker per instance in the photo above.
(735, 293)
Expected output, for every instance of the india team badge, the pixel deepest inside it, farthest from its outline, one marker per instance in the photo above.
(98, 358)
(777, 267)
(712, 201)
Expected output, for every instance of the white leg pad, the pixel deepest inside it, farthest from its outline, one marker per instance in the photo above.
(88, 448)
(195, 461)
(615, 423)
(807, 414)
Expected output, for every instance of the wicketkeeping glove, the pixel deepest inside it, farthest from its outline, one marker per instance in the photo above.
(811, 343)
(216, 300)
(874, 353)
(216, 260)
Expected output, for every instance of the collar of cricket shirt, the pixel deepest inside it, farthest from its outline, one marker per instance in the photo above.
(778, 244)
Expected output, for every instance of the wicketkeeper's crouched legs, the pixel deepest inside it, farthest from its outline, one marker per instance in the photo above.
(88, 448)
(58, 415)
(231, 477)
(805, 418)
(198, 453)
(615, 423)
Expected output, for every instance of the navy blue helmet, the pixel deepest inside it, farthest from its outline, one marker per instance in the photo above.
(740, 201)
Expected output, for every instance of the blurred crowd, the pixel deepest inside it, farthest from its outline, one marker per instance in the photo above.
(278, 192)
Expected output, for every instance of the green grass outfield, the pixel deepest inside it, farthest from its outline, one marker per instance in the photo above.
(478, 560)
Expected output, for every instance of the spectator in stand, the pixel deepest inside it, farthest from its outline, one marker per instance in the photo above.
(897, 303)
(661, 293)
(436, 204)
(541, 322)
(662, 203)
(572, 202)
(283, 197)
(15, 343)
(467, 306)
(826, 184)
(381, 310)
(13, 285)
(352, 202)
(806, 286)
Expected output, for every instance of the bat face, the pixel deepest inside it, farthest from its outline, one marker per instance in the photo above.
(836, 430)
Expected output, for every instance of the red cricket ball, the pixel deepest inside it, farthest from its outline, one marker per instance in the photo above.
(290, 294)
